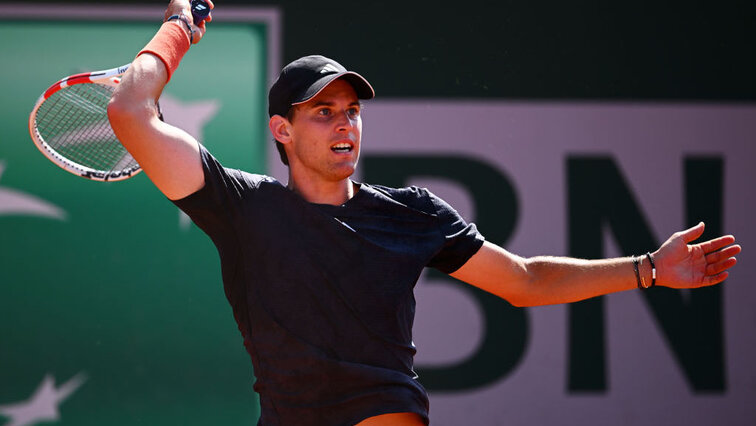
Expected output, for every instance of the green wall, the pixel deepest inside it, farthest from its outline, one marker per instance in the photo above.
(106, 282)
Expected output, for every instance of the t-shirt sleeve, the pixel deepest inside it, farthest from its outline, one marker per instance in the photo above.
(216, 208)
(461, 239)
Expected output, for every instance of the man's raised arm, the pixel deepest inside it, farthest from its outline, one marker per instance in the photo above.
(550, 280)
(168, 155)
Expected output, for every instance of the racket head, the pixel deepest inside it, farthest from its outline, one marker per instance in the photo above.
(69, 125)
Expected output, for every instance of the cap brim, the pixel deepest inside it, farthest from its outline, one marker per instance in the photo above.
(361, 86)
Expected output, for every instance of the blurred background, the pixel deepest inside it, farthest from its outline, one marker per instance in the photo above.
(586, 129)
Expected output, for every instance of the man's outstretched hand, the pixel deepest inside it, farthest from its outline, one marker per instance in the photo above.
(681, 264)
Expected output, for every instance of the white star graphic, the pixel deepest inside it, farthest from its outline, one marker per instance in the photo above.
(189, 116)
(192, 118)
(42, 406)
(16, 202)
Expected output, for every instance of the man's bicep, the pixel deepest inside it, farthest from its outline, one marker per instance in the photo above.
(495, 270)
(174, 163)
(169, 156)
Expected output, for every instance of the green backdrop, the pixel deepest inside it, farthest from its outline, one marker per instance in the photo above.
(105, 282)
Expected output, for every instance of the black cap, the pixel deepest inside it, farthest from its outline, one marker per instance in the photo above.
(304, 78)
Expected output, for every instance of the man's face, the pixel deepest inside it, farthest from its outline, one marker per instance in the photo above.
(325, 134)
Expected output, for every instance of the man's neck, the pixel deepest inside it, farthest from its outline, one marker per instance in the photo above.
(333, 193)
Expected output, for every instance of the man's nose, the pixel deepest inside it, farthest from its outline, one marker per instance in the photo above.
(345, 121)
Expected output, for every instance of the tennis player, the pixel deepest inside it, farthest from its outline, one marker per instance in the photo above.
(320, 271)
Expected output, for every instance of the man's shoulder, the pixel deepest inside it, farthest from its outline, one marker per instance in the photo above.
(214, 170)
(407, 193)
(415, 197)
(259, 179)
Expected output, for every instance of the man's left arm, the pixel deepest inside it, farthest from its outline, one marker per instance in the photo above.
(548, 280)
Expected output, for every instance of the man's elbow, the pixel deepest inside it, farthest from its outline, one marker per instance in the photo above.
(520, 300)
(517, 295)
(120, 113)
(128, 119)
(525, 292)
(122, 107)
(129, 115)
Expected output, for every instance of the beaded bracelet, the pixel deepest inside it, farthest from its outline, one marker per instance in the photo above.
(640, 267)
(637, 273)
(653, 269)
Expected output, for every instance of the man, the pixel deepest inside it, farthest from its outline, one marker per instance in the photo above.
(319, 272)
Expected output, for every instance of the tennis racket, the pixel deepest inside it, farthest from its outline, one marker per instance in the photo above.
(69, 123)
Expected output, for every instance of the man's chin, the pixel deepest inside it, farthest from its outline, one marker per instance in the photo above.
(344, 170)
(343, 173)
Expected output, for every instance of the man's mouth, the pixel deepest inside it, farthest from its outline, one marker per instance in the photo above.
(342, 148)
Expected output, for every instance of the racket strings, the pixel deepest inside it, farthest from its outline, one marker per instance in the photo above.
(73, 122)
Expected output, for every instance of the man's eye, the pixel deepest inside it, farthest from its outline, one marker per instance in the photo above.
(353, 111)
(324, 112)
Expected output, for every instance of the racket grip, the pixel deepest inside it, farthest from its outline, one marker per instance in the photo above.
(200, 10)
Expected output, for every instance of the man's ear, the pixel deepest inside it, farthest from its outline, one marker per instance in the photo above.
(280, 129)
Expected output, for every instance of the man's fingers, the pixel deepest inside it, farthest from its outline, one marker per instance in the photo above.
(715, 268)
(716, 279)
(713, 245)
(724, 253)
(210, 15)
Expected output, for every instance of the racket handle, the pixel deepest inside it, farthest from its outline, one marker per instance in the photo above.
(200, 10)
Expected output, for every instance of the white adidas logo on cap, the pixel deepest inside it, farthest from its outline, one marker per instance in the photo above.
(329, 68)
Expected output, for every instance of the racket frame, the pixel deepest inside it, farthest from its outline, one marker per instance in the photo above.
(109, 77)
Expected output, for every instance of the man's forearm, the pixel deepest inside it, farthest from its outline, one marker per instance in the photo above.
(140, 87)
(562, 279)
(546, 280)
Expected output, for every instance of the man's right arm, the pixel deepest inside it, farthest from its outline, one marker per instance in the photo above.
(168, 155)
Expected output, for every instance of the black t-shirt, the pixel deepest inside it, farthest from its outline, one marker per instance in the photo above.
(322, 294)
